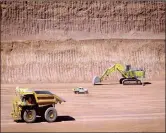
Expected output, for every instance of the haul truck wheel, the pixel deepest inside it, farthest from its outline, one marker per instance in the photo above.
(50, 114)
(29, 116)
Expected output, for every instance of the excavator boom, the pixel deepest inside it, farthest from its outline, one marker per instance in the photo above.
(112, 69)
(128, 74)
(108, 71)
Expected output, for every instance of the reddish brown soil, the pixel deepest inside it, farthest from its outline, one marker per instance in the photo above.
(37, 47)
(108, 107)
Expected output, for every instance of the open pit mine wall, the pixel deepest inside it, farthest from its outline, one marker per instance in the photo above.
(78, 61)
(38, 39)
(61, 19)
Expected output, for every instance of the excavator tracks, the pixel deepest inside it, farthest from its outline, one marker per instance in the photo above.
(131, 82)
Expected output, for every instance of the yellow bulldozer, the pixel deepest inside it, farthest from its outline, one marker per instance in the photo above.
(28, 104)
(130, 76)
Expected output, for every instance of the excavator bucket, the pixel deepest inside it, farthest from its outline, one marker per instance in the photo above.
(96, 80)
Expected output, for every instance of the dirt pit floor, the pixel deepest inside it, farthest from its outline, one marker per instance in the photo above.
(107, 108)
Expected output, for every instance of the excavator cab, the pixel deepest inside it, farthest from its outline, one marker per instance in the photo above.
(128, 67)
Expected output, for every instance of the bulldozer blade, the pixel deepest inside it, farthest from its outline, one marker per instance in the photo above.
(96, 80)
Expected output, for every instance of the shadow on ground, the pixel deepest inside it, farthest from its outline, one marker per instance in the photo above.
(107, 84)
(145, 83)
(64, 118)
(59, 119)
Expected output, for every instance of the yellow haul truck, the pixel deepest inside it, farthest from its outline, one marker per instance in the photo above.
(28, 104)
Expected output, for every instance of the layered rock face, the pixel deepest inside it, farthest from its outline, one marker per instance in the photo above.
(72, 41)
(82, 19)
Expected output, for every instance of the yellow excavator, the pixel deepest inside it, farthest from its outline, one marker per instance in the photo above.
(129, 76)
